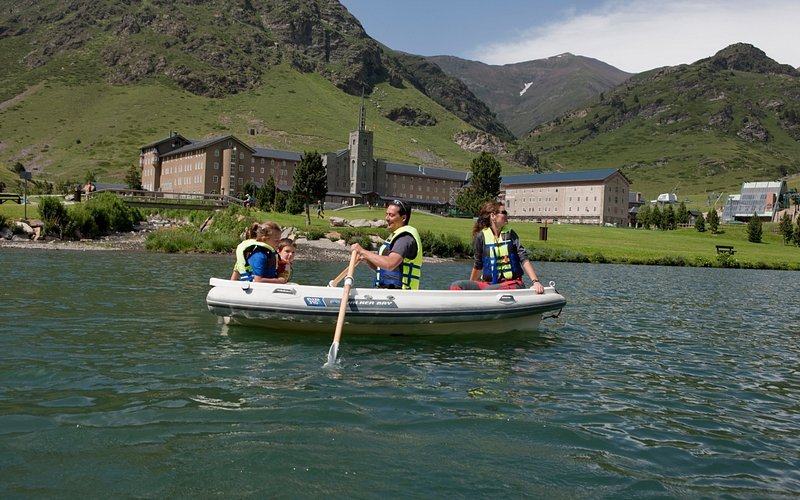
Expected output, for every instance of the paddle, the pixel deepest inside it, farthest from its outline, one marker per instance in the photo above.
(348, 282)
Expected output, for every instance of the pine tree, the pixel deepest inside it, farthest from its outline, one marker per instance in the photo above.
(668, 218)
(655, 217)
(643, 217)
(266, 195)
(797, 233)
(700, 224)
(486, 176)
(133, 177)
(785, 228)
(754, 229)
(682, 217)
(713, 220)
(310, 182)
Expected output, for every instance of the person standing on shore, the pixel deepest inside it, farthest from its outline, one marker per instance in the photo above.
(499, 257)
(398, 261)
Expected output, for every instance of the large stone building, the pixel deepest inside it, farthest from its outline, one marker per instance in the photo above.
(225, 164)
(583, 197)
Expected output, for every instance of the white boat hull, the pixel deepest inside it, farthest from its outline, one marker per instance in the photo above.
(375, 311)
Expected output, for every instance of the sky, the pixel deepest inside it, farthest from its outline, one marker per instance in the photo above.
(632, 35)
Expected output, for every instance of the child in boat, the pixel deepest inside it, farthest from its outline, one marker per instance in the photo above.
(286, 251)
(260, 257)
(249, 241)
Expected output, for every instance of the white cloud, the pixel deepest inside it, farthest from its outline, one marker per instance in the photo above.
(638, 35)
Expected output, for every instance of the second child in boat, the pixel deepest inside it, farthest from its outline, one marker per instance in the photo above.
(286, 252)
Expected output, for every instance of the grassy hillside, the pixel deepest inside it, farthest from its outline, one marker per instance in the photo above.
(60, 130)
(699, 127)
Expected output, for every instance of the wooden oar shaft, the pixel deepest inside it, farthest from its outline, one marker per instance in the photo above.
(345, 298)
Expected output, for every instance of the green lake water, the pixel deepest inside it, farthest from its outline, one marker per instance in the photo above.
(116, 382)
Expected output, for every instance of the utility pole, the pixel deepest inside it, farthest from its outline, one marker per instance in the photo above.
(26, 176)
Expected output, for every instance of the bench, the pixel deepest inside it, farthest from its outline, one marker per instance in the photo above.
(728, 249)
(4, 197)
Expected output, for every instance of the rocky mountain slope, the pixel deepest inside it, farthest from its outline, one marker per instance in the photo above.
(708, 126)
(524, 95)
(217, 48)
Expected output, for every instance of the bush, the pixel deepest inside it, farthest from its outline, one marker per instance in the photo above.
(727, 260)
(190, 239)
(315, 234)
(444, 245)
(4, 221)
(55, 216)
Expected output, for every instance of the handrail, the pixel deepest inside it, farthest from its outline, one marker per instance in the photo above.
(140, 195)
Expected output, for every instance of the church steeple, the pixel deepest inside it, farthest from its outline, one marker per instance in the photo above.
(362, 165)
(362, 118)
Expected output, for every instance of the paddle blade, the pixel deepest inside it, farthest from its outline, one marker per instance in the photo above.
(332, 352)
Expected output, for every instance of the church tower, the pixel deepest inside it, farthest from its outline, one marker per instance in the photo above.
(362, 165)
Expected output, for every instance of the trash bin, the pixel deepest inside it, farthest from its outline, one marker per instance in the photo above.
(543, 233)
(77, 197)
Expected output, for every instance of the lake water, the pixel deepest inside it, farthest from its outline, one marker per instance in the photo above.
(115, 381)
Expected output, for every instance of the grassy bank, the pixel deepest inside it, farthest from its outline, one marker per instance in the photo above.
(565, 242)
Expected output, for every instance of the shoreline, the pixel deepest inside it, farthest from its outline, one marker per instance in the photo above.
(321, 250)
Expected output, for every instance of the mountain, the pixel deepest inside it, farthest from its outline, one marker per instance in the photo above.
(67, 63)
(524, 95)
(706, 126)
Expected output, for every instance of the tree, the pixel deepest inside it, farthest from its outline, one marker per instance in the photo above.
(797, 233)
(754, 229)
(133, 177)
(266, 195)
(469, 201)
(18, 168)
(700, 224)
(785, 227)
(297, 202)
(486, 176)
(310, 182)
(668, 218)
(91, 176)
(682, 217)
(643, 217)
(655, 217)
(249, 188)
(713, 220)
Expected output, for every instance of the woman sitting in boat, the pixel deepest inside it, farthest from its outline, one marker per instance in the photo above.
(398, 261)
(256, 257)
(499, 256)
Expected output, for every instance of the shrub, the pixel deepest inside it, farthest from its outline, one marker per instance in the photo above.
(727, 260)
(315, 234)
(4, 221)
(55, 216)
(444, 245)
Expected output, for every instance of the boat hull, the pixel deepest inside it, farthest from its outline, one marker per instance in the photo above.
(300, 308)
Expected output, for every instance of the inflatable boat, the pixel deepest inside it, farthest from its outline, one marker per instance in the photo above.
(376, 311)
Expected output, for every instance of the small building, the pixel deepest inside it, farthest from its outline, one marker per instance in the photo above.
(760, 198)
(581, 197)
